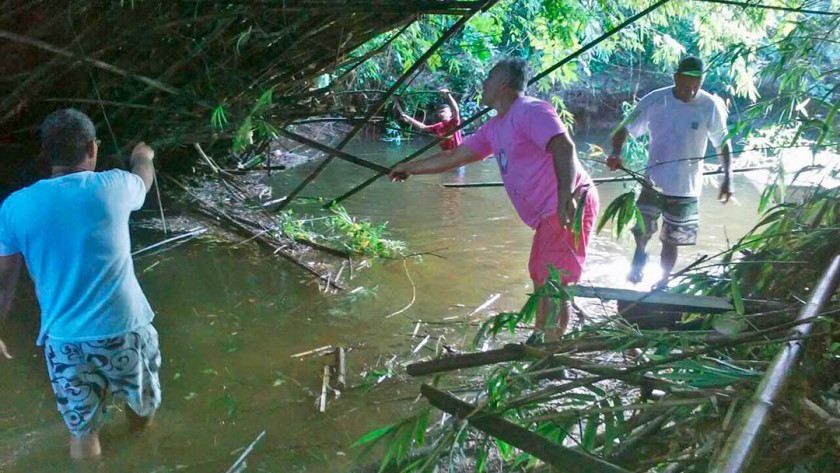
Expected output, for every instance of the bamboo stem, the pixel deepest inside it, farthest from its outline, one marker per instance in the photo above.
(93, 62)
(735, 455)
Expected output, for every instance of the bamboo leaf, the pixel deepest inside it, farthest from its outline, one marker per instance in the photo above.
(375, 435)
(737, 300)
(590, 432)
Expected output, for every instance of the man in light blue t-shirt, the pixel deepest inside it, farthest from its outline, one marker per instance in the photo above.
(71, 230)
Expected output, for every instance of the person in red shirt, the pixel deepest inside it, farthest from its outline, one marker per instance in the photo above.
(449, 116)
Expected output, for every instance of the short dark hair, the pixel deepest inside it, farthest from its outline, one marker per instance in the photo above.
(65, 135)
(441, 106)
(516, 70)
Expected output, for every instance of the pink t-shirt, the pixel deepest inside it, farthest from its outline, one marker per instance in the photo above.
(519, 140)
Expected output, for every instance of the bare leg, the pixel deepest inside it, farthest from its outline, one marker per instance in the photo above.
(550, 317)
(136, 423)
(637, 267)
(85, 448)
(668, 258)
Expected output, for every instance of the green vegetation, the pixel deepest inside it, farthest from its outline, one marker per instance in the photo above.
(359, 236)
(778, 70)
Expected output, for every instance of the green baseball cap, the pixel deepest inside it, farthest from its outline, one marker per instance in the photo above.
(691, 66)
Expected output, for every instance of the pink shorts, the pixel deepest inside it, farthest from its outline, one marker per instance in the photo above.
(554, 245)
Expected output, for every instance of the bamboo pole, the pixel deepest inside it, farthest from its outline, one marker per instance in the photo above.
(383, 99)
(333, 152)
(736, 454)
(600, 180)
(537, 78)
(569, 460)
(93, 62)
(340, 367)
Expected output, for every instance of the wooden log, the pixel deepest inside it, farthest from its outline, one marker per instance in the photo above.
(570, 460)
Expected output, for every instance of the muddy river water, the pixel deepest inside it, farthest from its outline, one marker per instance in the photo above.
(230, 319)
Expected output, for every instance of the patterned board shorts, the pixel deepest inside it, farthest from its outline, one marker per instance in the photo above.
(83, 373)
(680, 217)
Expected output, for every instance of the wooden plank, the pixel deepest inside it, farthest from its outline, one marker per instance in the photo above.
(656, 300)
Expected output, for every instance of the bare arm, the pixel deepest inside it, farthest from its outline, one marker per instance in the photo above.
(435, 163)
(562, 150)
(453, 104)
(619, 136)
(9, 275)
(141, 164)
(415, 123)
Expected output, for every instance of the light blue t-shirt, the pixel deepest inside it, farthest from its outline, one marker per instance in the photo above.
(73, 233)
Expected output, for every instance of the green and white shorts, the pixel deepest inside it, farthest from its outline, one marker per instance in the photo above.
(680, 217)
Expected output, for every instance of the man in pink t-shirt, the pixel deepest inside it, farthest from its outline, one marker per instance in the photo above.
(541, 174)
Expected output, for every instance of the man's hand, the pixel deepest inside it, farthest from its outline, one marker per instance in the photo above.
(142, 151)
(725, 190)
(4, 351)
(566, 210)
(614, 162)
(400, 172)
(443, 92)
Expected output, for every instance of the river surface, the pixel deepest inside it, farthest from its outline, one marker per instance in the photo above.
(230, 320)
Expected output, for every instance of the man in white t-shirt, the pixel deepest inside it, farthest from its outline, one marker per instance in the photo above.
(71, 230)
(679, 120)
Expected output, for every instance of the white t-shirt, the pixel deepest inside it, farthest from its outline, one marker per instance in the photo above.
(73, 233)
(678, 132)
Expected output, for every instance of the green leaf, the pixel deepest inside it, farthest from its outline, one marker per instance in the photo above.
(589, 432)
(375, 435)
(737, 300)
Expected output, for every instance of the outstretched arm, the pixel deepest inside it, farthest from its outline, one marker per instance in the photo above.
(615, 161)
(415, 123)
(435, 163)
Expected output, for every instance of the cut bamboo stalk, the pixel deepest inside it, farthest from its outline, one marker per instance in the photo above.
(315, 351)
(736, 453)
(237, 465)
(340, 368)
(569, 460)
(325, 384)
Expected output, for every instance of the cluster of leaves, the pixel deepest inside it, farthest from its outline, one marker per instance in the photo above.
(360, 236)
(363, 236)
